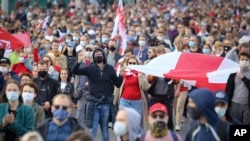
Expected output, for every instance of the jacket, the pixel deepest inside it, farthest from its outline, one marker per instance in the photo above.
(42, 128)
(231, 85)
(144, 85)
(69, 89)
(101, 82)
(2, 81)
(25, 120)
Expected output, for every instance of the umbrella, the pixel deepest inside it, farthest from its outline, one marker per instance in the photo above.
(8, 41)
(199, 70)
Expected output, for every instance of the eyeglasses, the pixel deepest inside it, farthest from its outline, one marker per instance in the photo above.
(62, 107)
(132, 63)
(161, 116)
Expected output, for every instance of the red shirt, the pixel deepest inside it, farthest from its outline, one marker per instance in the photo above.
(131, 89)
(20, 68)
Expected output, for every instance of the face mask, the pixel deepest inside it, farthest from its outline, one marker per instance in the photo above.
(82, 43)
(4, 70)
(89, 54)
(28, 97)
(92, 41)
(172, 27)
(191, 44)
(120, 128)
(158, 128)
(69, 48)
(105, 40)
(29, 50)
(194, 112)
(67, 40)
(42, 74)
(60, 114)
(12, 96)
(142, 43)
(220, 111)
(112, 48)
(75, 38)
(47, 46)
(160, 38)
(206, 51)
(131, 38)
(98, 59)
(138, 33)
(21, 59)
(244, 64)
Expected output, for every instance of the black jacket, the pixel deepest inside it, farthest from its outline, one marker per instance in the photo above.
(69, 89)
(42, 128)
(231, 85)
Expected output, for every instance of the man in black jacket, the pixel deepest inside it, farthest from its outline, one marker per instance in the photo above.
(47, 88)
(102, 78)
(61, 125)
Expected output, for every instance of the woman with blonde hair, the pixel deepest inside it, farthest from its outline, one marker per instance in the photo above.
(131, 93)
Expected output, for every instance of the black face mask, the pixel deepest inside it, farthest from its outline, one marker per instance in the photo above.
(42, 74)
(194, 112)
(98, 59)
(112, 48)
(244, 27)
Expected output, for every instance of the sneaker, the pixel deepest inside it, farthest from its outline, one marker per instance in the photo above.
(177, 128)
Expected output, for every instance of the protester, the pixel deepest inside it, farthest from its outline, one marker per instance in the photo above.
(158, 119)
(201, 108)
(47, 88)
(64, 86)
(29, 92)
(127, 125)
(221, 108)
(61, 109)
(233, 54)
(52, 68)
(131, 93)
(16, 118)
(238, 89)
(25, 78)
(102, 78)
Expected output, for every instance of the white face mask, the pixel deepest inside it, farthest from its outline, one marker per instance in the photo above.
(82, 43)
(160, 38)
(244, 64)
(28, 97)
(21, 59)
(89, 54)
(142, 43)
(220, 111)
(4, 70)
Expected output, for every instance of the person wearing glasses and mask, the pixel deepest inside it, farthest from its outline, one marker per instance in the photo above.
(158, 119)
(60, 126)
(131, 93)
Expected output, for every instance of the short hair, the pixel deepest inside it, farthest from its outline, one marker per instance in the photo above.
(42, 62)
(55, 41)
(26, 74)
(63, 96)
(32, 135)
(127, 50)
(244, 54)
(32, 85)
(246, 45)
(80, 135)
(160, 49)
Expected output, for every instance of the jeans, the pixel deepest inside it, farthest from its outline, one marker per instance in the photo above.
(101, 117)
(135, 104)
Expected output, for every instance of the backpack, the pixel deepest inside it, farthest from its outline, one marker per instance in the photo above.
(173, 134)
(221, 132)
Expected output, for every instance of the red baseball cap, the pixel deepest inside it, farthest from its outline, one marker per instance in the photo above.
(158, 107)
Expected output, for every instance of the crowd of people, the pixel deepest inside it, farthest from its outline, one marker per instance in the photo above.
(72, 62)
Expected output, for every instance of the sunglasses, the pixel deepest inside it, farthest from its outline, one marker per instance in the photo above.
(161, 116)
(62, 107)
(132, 63)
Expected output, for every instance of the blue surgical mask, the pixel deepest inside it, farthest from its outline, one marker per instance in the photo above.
(220, 111)
(131, 38)
(191, 44)
(105, 40)
(120, 128)
(206, 51)
(60, 114)
(82, 43)
(75, 38)
(12, 95)
(92, 41)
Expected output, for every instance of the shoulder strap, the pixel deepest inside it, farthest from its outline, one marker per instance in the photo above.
(173, 134)
(222, 131)
(193, 127)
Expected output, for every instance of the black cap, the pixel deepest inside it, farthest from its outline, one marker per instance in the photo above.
(221, 96)
(5, 60)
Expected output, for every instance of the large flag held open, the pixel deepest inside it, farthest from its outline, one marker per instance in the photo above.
(8, 41)
(196, 69)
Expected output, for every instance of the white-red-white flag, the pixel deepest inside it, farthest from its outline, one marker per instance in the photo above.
(44, 23)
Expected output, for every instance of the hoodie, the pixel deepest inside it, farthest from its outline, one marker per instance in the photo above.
(101, 81)
(205, 102)
(134, 124)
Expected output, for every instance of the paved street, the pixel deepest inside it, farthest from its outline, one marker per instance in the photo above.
(112, 136)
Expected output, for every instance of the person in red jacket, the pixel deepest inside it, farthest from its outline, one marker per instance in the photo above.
(24, 65)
